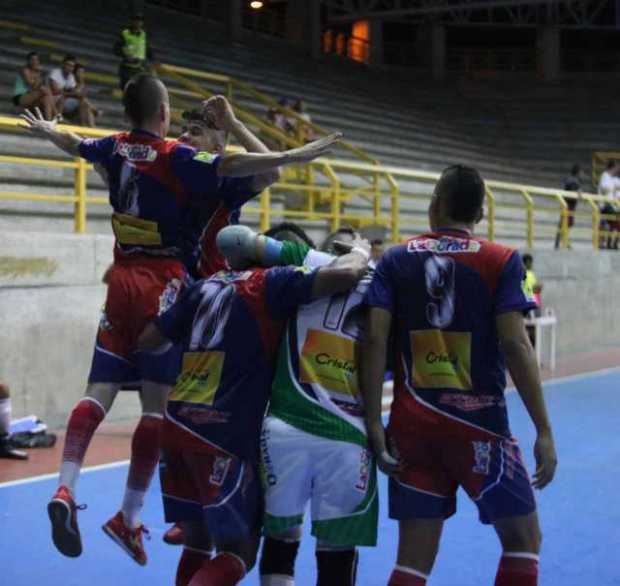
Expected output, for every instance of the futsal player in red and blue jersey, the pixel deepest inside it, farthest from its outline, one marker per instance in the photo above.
(455, 304)
(229, 327)
(156, 187)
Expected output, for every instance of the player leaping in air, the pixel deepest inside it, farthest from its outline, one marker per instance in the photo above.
(456, 304)
(155, 187)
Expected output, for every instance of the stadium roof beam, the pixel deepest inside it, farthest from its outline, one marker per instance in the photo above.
(579, 13)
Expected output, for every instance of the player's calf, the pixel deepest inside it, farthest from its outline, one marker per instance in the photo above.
(336, 565)
(277, 564)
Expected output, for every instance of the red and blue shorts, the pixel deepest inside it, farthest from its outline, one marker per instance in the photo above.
(490, 469)
(138, 290)
(202, 484)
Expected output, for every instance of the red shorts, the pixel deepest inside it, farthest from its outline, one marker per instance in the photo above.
(490, 469)
(200, 483)
(138, 290)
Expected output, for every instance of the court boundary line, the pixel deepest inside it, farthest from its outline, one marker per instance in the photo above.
(41, 477)
(386, 403)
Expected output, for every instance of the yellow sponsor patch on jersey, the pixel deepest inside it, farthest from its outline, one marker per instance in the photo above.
(441, 360)
(328, 360)
(200, 377)
(131, 230)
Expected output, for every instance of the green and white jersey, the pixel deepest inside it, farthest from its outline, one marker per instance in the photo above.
(316, 388)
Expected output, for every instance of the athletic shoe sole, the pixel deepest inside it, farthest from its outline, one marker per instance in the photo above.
(116, 539)
(65, 538)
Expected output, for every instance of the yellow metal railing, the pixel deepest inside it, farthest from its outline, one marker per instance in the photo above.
(339, 182)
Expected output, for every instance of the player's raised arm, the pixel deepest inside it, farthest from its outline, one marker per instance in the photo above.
(245, 164)
(243, 248)
(523, 368)
(220, 110)
(48, 129)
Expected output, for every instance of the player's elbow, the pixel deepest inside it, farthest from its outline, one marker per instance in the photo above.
(516, 348)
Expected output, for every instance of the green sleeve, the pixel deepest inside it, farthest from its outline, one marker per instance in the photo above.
(293, 253)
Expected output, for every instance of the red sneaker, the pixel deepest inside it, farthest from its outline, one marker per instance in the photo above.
(62, 512)
(129, 539)
(174, 535)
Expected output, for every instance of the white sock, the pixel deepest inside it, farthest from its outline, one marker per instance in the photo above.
(69, 474)
(277, 580)
(133, 501)
(5, 415)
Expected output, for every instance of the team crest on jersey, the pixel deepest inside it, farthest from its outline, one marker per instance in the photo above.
(219, 471)
(137, 153)
(482, 457)
(442, 245)
(362, 482)
(169, 295)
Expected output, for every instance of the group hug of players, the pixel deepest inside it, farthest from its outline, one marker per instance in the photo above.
(260, 364)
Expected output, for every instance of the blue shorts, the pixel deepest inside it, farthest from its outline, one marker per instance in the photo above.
(490, 470)
(202, 485)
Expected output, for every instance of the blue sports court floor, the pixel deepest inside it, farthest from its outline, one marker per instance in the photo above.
(580, 514)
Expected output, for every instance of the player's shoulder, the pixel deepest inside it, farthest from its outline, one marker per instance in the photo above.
(494, 252)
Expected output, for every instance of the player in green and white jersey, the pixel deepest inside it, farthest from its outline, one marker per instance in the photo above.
(314, 446)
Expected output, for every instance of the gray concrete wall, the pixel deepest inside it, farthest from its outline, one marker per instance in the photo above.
(51, 297)
(582, 287)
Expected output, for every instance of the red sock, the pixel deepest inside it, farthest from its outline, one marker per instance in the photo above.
(225, 569)
(84, 420)
(517, 569)
(191, 561)
(144, 452)
(402, 576)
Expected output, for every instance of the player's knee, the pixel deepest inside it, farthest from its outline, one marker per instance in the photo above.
(523, 537)
(278, 557)
(4, 391)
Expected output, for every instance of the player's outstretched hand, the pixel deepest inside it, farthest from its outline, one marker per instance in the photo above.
(546, 460)
(314, 149)
(386, 462)
(37, 124)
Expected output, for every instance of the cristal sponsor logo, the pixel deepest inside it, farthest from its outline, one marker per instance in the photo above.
(433, 358)
(270, 478)
(137, 152)
(325, 359)
(442, 245)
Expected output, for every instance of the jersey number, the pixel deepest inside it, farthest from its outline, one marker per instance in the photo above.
(339, 317)
(439, 272)
(212, 315)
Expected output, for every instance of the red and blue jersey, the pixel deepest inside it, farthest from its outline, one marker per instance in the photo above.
(444, 291)
(230, 327)
(163, 193)
(235, 192)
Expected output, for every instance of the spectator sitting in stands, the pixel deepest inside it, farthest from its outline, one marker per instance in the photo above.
(574, 182)
(7, 449)
(133, 48)
(29, 91)
(608, 186)
(304, 132)
(80, 77)
(70, 102)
